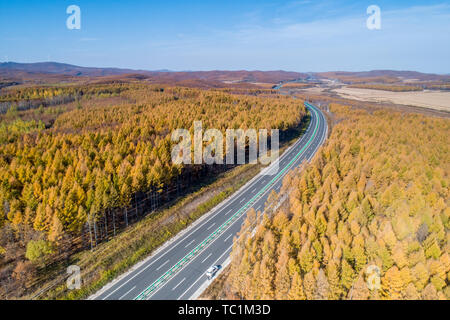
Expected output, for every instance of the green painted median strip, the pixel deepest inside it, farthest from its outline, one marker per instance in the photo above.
(144, 294)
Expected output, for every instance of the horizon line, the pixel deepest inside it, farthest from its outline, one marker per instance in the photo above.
(220, 70)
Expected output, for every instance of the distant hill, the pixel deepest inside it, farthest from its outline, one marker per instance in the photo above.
(52, 71)
(61, 68)
(41, 69)
(343, 75)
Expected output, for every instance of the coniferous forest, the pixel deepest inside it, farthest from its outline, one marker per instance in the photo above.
(372, 208)
(79, 163)
(249, 151)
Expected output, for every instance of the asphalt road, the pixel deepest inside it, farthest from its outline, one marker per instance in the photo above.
(178, 271)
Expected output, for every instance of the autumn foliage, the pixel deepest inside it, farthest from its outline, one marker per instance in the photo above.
(375, 197)
(98, 152)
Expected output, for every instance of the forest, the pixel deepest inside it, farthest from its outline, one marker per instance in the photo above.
(75, 176)
(369, 218)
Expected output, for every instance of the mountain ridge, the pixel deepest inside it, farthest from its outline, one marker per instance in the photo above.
(16, 69)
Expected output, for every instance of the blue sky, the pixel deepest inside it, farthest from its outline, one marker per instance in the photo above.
(303, 35)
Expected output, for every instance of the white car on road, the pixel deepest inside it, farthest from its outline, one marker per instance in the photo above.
(211, 272)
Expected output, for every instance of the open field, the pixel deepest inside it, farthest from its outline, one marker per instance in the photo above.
(438, 100)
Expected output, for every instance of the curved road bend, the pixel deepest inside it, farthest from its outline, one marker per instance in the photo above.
(178, 271)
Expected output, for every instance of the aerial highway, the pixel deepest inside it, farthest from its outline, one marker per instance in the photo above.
(177, 270)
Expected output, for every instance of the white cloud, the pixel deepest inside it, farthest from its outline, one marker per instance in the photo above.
(414, 38)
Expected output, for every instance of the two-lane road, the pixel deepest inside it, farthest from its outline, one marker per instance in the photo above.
(177, 271)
